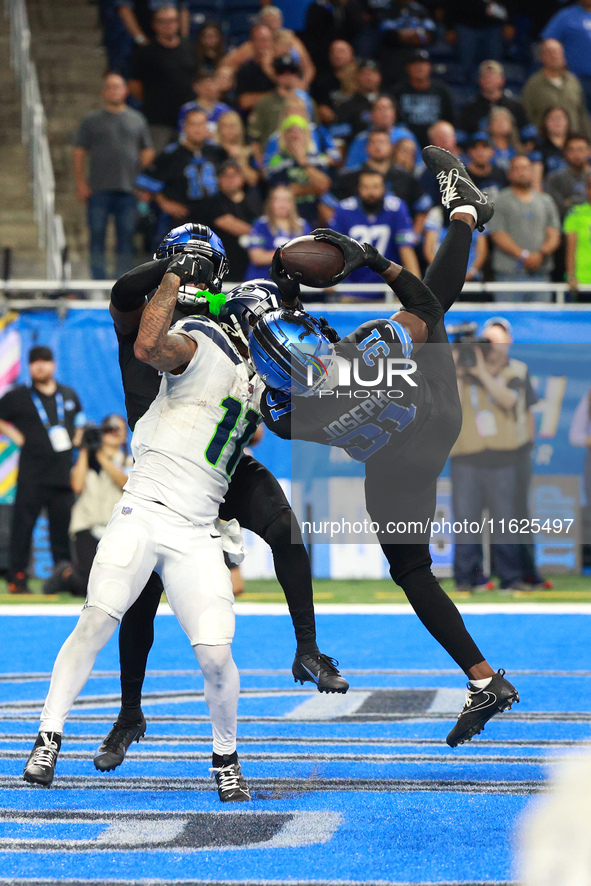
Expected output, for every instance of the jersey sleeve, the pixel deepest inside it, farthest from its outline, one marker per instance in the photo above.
(276, 410)
(380, 338)
(8, 407)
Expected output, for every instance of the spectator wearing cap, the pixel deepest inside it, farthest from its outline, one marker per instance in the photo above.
(568, 187)
(554, 86)
(354, 114)
(321, 140)
(491, 82)
(399, 181)
(256, 77)
(208, 90)
(231, 214)
(421, 100)
(485, 175)
(45, 419)
(265, 118)
(525, 230)
(572, 27)
(383, 116)
(337, 83)
(297, 164)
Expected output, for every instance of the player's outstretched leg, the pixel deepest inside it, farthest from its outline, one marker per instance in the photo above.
(70, 672)
(456, 186)
(319, 669)
(480, 706)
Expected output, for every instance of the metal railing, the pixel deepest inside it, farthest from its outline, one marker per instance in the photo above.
(34, 136)
(32, 294)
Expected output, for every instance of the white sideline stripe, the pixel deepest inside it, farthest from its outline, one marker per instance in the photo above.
(333, 609)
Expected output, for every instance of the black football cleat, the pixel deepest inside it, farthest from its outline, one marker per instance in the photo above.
(319, 669)
(111, 753)
(480, 706)
(232, 786)
(455, 184)
(40, 767)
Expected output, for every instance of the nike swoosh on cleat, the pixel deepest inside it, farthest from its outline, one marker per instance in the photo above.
(214, 536)
(487, 703)
(314, 677)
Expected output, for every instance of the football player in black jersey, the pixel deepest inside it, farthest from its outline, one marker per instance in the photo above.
(254, 498)
(404, 442)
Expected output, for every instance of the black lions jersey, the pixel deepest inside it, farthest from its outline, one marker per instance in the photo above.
(381, 399)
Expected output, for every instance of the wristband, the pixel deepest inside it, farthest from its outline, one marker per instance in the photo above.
(374, 260)
(525, 253)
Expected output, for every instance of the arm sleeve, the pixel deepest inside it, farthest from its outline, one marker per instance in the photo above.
(130, 290)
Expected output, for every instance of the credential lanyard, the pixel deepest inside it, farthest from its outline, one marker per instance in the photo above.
(59, 402)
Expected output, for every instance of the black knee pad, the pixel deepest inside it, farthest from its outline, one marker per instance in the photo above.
(283, 530)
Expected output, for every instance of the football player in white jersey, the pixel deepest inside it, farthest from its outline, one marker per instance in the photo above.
(185, 447)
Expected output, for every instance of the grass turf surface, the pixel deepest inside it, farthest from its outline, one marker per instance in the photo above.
(567, 589)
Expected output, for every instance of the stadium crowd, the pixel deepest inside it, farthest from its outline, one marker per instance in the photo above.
(222, 112)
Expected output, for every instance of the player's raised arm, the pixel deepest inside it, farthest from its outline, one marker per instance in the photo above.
(422, 311)
(155, 345)
(128, 295)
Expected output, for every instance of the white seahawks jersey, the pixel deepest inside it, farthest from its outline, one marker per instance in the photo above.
(188, 443)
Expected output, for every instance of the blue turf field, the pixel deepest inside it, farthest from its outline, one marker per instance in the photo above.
(347, 789)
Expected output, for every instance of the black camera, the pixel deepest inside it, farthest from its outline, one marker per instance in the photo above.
(92, 438)
(464, 335)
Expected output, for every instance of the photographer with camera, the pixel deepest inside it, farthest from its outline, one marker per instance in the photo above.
(97, 479)
(496, 396)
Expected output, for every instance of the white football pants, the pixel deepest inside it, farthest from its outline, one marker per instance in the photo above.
(142, 537)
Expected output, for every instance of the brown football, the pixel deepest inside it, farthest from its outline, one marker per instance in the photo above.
(315, 260)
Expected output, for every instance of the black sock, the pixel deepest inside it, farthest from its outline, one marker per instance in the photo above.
(217, 760)
(130, 716)
(292, 567)
(307, 647)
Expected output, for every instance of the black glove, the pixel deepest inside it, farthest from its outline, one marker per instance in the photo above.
(329, 331)
(356, 255)
(191, 268)
(289, 287)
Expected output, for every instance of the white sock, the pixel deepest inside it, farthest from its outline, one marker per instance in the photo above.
(469, 209)
(73, 665)
(222, 688)
(480, 684)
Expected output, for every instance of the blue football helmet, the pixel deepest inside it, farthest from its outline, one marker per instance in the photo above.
(201, 240)
(245, 304)
(291, 353)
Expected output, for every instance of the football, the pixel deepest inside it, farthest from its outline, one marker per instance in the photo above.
(315, 260)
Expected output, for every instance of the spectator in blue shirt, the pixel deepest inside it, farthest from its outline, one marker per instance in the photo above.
(207, 90)
(383, 116)
(279, 224)
(380, 219)
(572, 27)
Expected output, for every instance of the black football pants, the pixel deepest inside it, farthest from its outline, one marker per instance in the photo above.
(30, 499)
